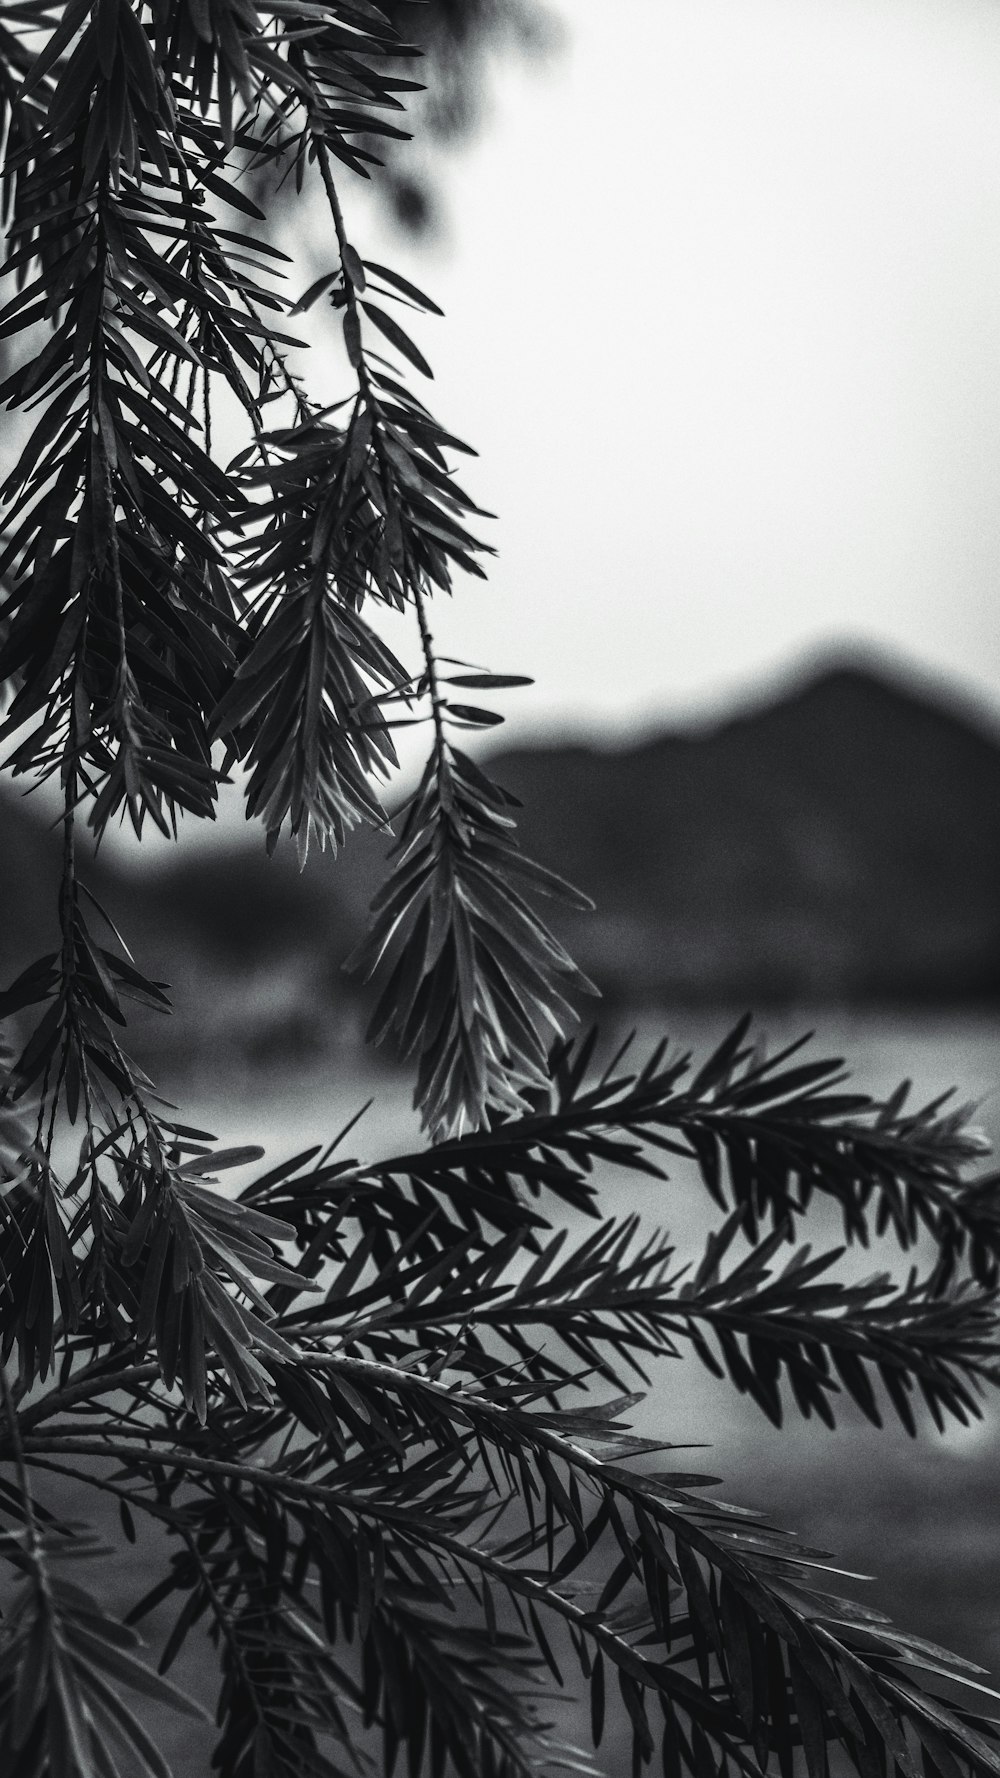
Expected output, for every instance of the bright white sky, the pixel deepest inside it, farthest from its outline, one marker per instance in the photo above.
(723, 320)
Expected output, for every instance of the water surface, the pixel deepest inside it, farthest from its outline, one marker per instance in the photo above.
(921, 1515)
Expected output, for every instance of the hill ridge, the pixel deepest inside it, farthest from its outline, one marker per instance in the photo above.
(838, 842)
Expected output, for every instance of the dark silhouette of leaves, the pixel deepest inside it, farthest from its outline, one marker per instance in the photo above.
(366, 1402)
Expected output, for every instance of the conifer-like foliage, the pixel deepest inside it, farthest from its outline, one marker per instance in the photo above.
(378, 1412)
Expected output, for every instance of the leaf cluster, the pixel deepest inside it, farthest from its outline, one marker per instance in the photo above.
(390, 1509)
(350, 1396)
(64, 1666)
(159, 608)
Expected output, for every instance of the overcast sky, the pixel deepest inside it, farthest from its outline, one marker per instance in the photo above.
(722, 286)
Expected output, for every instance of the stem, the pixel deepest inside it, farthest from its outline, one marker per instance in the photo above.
(836, 1330)
(433, 686)
(371, 401)
(322, 1493)
(84, 1388)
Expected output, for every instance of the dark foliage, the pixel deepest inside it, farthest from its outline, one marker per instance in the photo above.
(356, 1398)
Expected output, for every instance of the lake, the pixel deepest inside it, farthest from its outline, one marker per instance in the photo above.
(922, 1515)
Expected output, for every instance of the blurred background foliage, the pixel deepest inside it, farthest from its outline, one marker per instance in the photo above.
(460, 42)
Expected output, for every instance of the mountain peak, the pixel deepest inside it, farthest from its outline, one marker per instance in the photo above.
(871, 685)
(841, 839)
